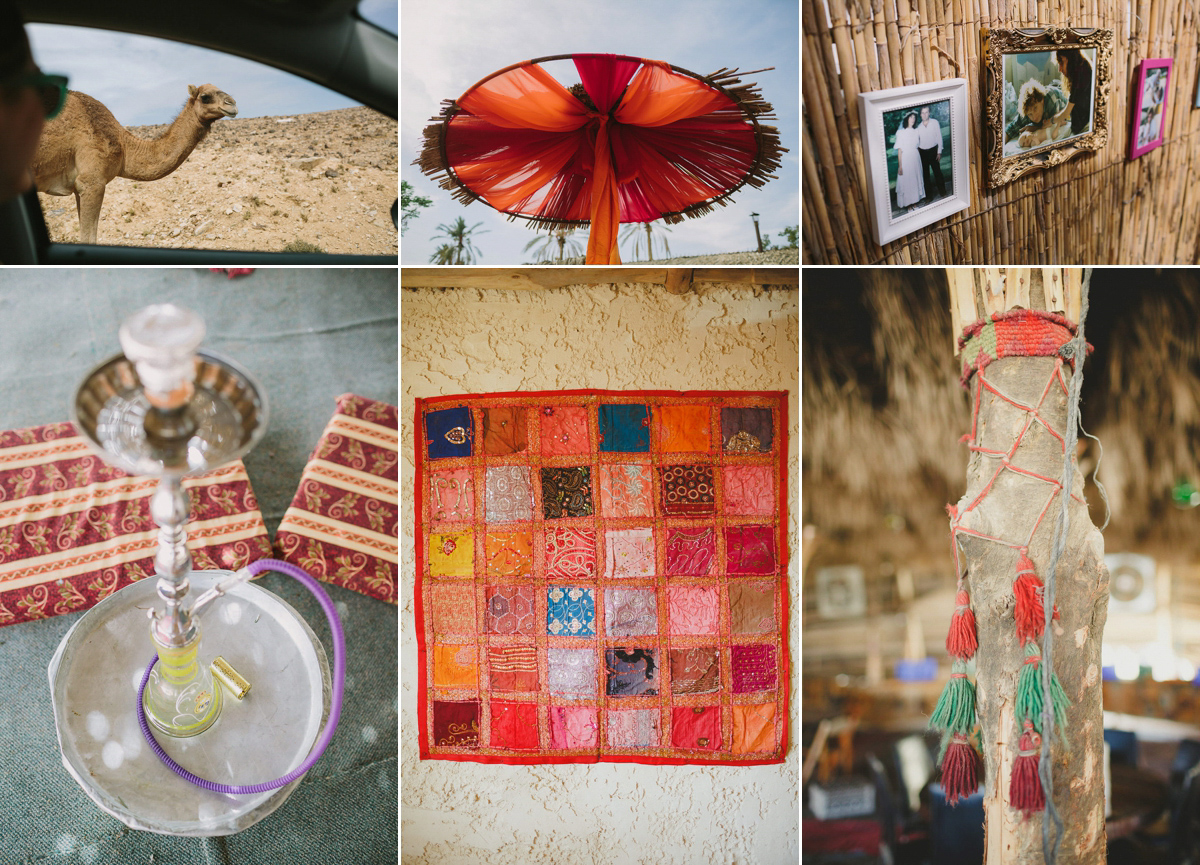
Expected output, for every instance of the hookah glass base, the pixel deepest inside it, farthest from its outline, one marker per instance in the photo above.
(94, 679)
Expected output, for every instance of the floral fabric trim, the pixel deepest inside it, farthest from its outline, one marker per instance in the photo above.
(73, 530)
(601, 576)
(343, 524)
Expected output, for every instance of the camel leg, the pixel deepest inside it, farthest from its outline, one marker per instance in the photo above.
(89, 195)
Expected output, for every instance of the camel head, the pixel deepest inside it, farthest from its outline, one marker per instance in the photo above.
(210, 104)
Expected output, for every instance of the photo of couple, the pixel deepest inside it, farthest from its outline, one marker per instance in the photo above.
(1047, 97)
(919, 159)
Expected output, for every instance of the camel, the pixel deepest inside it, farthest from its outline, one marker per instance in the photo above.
(84, 147)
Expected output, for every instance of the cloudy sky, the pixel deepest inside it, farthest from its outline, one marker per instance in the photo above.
(150, 83)
(448, 45)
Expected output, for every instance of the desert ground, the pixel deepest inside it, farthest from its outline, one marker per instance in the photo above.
(325, 180)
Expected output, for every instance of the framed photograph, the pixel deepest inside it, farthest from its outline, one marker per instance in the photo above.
(915, 146)
(1151, 86)
(1045, 97)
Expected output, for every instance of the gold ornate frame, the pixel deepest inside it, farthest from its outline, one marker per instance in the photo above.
(1002, 169)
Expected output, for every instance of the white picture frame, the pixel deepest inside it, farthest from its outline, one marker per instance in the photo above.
(898, 201)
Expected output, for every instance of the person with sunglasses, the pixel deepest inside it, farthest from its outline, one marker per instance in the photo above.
(28, 97)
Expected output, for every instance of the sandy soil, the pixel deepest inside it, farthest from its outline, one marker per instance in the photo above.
(327, 179)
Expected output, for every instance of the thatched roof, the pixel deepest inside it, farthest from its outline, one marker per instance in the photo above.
(883, 412)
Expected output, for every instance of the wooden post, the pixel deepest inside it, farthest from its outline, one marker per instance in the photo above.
(1009, 512)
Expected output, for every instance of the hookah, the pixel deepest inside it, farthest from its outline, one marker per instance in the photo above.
(167, 410)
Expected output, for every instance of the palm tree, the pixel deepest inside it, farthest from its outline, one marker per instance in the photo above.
(460, 249)
(559, 239)
(643, 233)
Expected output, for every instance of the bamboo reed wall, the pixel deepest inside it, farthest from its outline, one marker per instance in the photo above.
(1098, 208)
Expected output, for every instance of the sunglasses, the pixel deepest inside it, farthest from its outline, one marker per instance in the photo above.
(51, 88)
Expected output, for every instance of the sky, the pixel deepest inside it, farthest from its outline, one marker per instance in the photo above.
(448, 45)
(150, 83)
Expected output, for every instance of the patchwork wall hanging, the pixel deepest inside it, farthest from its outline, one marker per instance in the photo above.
(601, 575)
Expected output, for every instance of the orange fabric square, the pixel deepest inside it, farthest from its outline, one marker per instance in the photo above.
(513, 668)
(508, 554)
(453, 609)
(564, 430)
(753, 728)
(503, 431)
(683, 428)
(454, 666)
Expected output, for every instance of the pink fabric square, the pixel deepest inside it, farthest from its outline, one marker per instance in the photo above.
(633, 728)
(750, 550)
(749, 490)
(564, 430)
(570, 553)
(573, 727)
(693, 610)
(691, 552)
(629, 553)
(450, 496)
(625, 491)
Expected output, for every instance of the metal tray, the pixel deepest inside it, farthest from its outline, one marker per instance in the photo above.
(94, 676)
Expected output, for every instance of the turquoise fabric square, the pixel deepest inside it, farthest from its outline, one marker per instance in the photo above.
(624, 428)
(570, 612)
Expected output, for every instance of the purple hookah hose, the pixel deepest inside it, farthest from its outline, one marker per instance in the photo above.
(335, 711)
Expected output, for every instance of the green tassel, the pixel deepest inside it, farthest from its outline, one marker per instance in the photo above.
(955, 710)
(1030, 694)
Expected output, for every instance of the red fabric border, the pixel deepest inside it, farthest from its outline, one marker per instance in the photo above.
(784, 558)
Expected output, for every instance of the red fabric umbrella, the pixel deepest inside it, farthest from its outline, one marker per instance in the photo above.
(639, 140)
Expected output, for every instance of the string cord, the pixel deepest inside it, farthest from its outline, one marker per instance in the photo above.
(1052, 829)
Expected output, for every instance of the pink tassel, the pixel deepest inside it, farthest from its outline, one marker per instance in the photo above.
(961, 640)
(1029, 612)
(1025, 793)
(960, 770)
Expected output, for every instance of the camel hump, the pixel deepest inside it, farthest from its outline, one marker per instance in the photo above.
(81, 111)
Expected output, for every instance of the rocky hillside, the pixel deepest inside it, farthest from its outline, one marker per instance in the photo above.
(325, 180)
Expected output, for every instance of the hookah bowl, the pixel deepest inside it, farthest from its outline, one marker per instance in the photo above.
(166, 410)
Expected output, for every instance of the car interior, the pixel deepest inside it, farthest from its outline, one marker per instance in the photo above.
(324, 41)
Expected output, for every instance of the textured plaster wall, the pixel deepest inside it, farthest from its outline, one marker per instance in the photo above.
(615, 337)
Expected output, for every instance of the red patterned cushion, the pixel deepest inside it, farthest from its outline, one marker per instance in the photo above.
(343, 522)
(73, 529)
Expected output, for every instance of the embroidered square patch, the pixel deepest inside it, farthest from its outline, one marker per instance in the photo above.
(456, 724)
(696, 727)
(601, 576)
(631, 672)
(694, 609)
(688, 491)
(508, 554)
(691, 552)
(566, 492)
(624, 429)
(625, 490)
(572, 673)
(683, 428)
(514, 725)
(695, 671)
(448, 433)
(570, 612)
(573, 727)
(629, 553)
(451, 497)
(508, 494)
(513, 668)
(510, 610)
(570, 552)
(504, 431)
(454, 666)
(629, 612)
(564, 430)
(633, 728)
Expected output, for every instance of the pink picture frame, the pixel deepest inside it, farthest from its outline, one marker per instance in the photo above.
(1151, 89)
